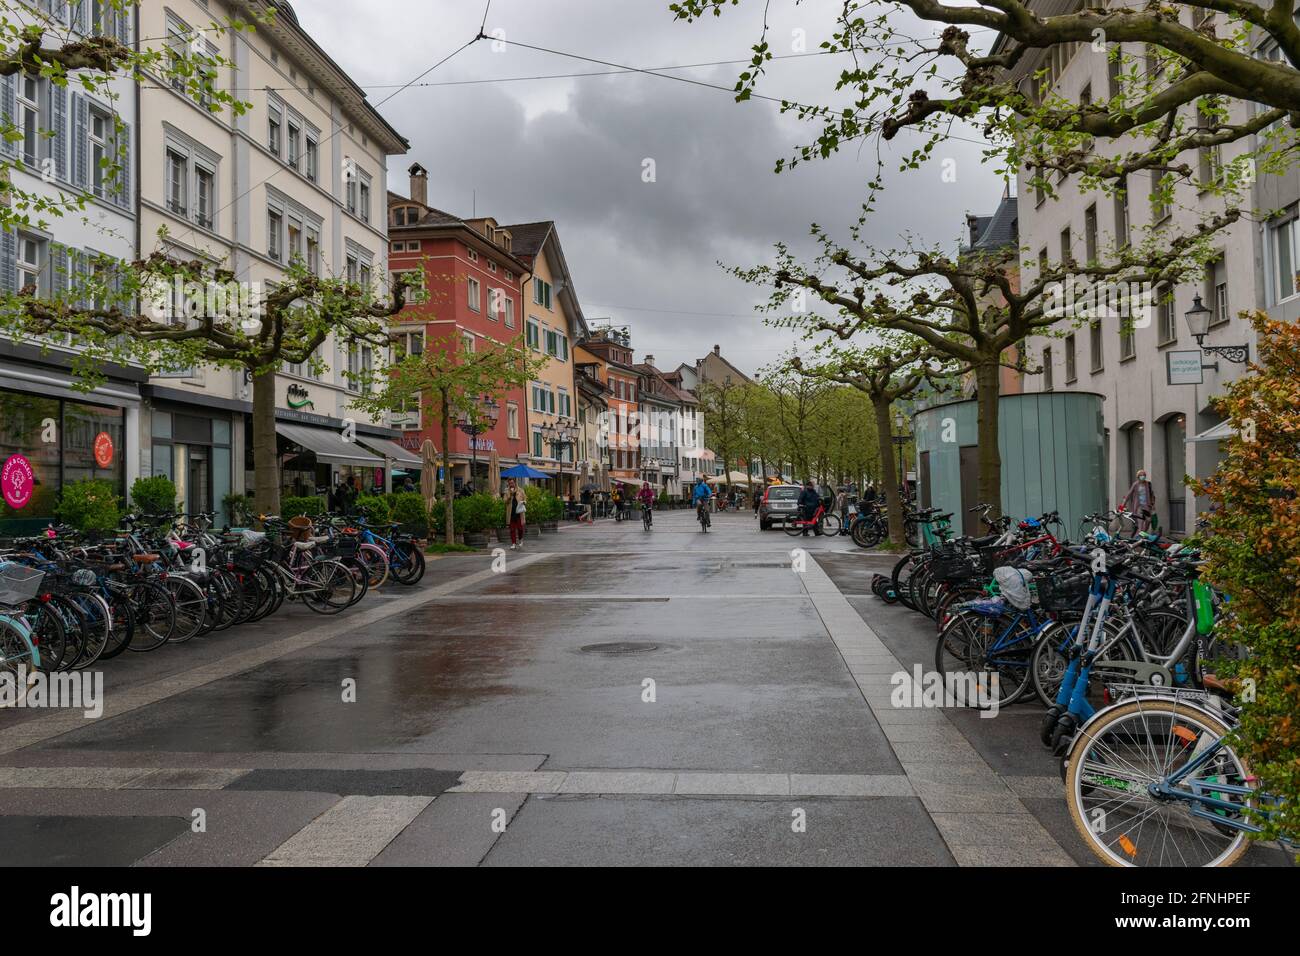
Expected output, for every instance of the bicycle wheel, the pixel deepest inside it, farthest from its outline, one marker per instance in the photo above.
(155, 616)
(191, 608)
(376, 562)
(406, 565)
(50, 636)
(16, 648)
(329, 587)
(75, 626)
(97, 627)
(123, 625)
(1133, 746)
(646, 519)
(830, 524)
(975, 648)
(1047, 669)
(794, 527)
(360, 576)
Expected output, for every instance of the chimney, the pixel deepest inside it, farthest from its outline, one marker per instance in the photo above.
(650, 360)
(717, 350)
(419, 184)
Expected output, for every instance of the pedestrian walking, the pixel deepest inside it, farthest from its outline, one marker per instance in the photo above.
(516, 512)
(586, 505)
(1140, 501)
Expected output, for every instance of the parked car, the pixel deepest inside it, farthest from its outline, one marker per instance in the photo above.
(780, 503)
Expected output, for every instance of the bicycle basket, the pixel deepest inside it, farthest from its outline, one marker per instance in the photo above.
(1064, 592)
(951, 567)
(18, 582)
(1013, 584)
(246, 561)
(300, 528)
(345, 546)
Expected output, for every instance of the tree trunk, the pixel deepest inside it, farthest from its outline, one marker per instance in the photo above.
(987, 387)
(266, 456)
(448, 504)
(893, 500)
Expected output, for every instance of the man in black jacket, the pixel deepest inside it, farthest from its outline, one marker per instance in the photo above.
(809, 502)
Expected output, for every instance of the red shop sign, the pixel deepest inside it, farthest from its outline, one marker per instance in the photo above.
(103, 449)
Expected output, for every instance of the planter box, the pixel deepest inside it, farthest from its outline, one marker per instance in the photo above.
(476, 540)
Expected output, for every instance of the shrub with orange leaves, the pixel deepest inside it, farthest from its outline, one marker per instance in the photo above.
(1252, 544)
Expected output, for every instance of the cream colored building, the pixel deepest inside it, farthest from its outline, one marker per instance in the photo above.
(553, 323)
(301, 173)
(1149, 423)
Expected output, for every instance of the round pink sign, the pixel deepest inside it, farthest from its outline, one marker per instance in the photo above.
(16, 480)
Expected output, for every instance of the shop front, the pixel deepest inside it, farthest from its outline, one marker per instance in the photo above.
(52, 435)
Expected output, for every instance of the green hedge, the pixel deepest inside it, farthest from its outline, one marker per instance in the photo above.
(90, 505)
(309, 505)
(374, 507)
(407, 507)
(479, 512)
(542, 505)
(156, 495)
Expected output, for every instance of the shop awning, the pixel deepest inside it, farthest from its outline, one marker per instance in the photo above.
(328, 445)
(390, 449)
(1220, 432)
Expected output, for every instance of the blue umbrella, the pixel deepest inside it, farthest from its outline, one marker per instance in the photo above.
(523, 471)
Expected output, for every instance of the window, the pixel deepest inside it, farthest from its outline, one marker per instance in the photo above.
(537, 445)
(311, 168)
(467, 341)
(1047, 368)
(1067, 254)
(349, 174)
(473, 256)
(354, 369)
(204, 191)
(273, 130)
(1167, 324)
(312, 256)
(364, 201)
(1211, 163)
(177, 182)
(1095, 346)
(1121, 213)
(492, 266)
(408, 343)
(1114, 83)
(509, 312)
(1217, 293)
(274, 224)
(102, 153)
(531, 336)
(1090, 234)
(475, 296)
(1127, 347)
(350, 269)
(31, 261)
(542, 292)
(1284, 255)
(512, 420)
(293, 140)
(29, 118)
(1159, 210)
(294, 247)
(1071, 373)
(566, 405)
(413, 245)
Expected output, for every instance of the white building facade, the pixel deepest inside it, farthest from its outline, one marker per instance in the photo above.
(1150, 424)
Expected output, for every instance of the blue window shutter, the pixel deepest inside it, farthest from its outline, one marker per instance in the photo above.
(123, 196)
(9, 111)
(59, 142)
(80, 141)
(8, 261)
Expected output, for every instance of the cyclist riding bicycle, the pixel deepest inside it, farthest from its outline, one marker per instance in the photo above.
(701, 493)
(809, 502)
(646, 496)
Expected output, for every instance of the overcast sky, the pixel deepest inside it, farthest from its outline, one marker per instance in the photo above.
(572, 150)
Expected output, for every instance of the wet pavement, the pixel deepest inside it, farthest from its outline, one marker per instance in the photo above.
(606, 696)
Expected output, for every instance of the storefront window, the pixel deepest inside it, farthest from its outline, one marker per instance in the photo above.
(194, 452)
(29, 426)
(94, 444)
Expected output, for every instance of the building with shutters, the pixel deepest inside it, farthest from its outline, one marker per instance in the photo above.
(49, 430)
(300, 174)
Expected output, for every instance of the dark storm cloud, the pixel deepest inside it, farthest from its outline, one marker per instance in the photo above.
(573, 151)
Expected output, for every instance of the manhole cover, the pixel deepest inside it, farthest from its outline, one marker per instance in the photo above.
(619, 648)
